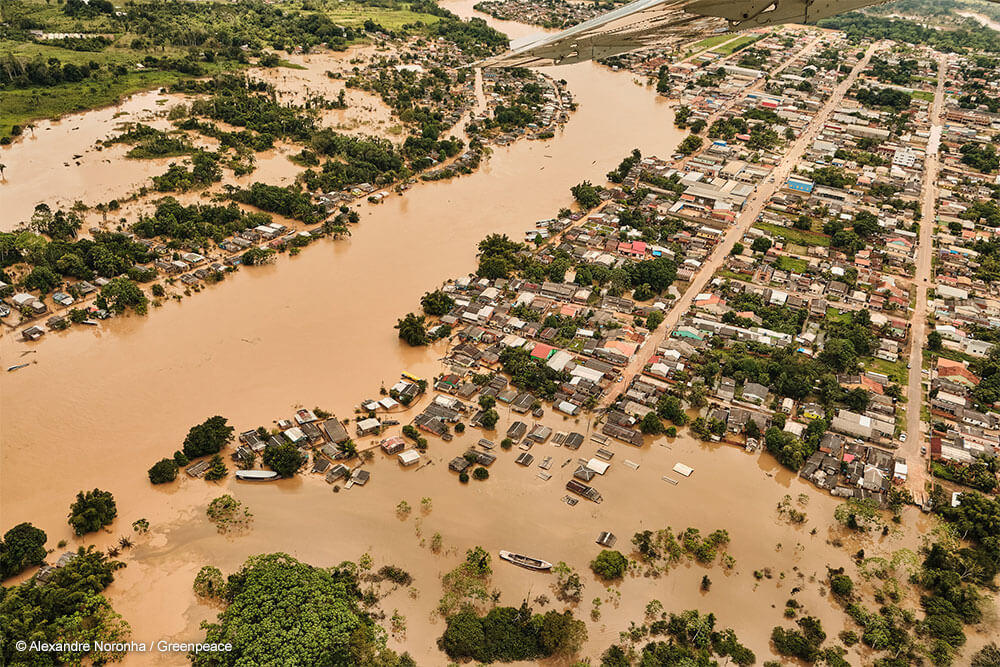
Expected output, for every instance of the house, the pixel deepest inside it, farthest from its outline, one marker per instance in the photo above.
(393, 445)
(754, 393)
(409, 457)
(517, 430)
(368, 426)
(335, 431)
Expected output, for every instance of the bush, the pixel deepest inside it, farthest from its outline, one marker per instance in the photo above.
(609, 565)
(163, 471)
(463, 477)
(91, 511)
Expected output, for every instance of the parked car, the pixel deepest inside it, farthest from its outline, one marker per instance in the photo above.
(902, 436)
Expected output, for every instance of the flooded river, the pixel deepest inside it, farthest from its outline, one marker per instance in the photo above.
(100, 406)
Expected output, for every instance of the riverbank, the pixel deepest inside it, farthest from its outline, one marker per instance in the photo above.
(317, 330)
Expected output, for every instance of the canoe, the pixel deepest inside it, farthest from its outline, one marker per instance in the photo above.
(256, 475)
(14, 368)
(525, 561)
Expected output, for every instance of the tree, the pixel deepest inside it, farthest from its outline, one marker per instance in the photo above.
(216, 469)
(761, 244)
(738, 249)
(690, 144)
(68, 608)
(609, 564)
(22, 546)
(255, 621)
(411, 329)
(586, 194)
(481, 473)
(803, 222)
(934, 341)
(651, 424)
(209, 437)
(163, 471)
(489, 419)
(91, 511)
(284, 459)
(436, 303)
(120, 294)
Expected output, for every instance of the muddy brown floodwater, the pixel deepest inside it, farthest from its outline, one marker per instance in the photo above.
(99, 407)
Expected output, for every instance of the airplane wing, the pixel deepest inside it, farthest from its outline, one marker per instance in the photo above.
(646, 23)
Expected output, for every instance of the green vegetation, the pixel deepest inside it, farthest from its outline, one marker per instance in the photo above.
(530, 373)
(609, 565)
(122, 294)
(690, 639)
(506, 634)
(796, 236)
(197, 223)
(412, 330)
(330, 627)
(662, 549)
(436, 303)
(690, 144)
(209, 437)
(586, 194)
(737, 44)
(285, 459)
(865, 29)
(229, 515)
(980, 474)
(191, 40)
(286, 201)
(91, 511)
(22, 546)
(803, 642)
(163, 471)
(68, 608)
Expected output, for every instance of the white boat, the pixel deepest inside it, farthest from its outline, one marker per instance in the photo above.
(525, 561)
(256, 475)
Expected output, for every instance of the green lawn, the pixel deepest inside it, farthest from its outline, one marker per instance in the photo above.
(792, 264)
(796, 236)
(709, 42)
(741, 43)
(923, 95)
(834, 315)
(732, 275)
(896, 370)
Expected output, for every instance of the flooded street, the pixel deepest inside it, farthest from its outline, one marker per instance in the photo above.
(101, 405)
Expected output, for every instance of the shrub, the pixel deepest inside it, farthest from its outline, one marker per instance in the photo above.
(609, 564)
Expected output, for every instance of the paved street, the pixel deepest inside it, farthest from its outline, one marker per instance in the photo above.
(747, 217)
(916, 438)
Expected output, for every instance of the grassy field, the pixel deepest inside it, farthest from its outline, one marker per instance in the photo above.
(741, 43)
(796, 236)
(896, 370)
(792, 264)
(834, 315)
(925, 95)
(709, 42)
